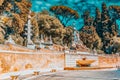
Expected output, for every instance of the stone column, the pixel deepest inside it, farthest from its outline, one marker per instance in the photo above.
(30, 43)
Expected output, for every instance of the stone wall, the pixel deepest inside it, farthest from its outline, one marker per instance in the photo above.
(100, 60)
(109, 61)
(10, 62)
(17, 62)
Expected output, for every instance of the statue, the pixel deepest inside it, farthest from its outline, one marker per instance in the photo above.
(10, 40)
(42, 42)
(51, 43)
(47, 43)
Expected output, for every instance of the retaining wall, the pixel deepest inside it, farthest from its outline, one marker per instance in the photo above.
(100, 60)
(10, 62)
(109, 61)
(17, 62)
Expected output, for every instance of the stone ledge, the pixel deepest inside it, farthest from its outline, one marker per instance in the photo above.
(86, 68)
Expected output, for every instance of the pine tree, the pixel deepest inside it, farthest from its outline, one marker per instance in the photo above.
(88, 20)
(108, 29)
(105, 19)
(97, 22)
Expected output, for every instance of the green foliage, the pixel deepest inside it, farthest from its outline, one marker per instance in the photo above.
(64, 14)
(105, 29)
(115, 11)
(88, 20)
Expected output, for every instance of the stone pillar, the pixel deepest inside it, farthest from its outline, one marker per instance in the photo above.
(30, 43)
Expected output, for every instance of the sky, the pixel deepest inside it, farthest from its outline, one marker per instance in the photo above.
(78, 5)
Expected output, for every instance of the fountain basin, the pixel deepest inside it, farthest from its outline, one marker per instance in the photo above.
(84, 63)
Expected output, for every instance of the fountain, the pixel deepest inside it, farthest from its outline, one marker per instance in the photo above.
(77, 44)
(84, 62)
(30, 43)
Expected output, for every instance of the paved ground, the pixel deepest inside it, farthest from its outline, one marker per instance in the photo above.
(81, 75)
